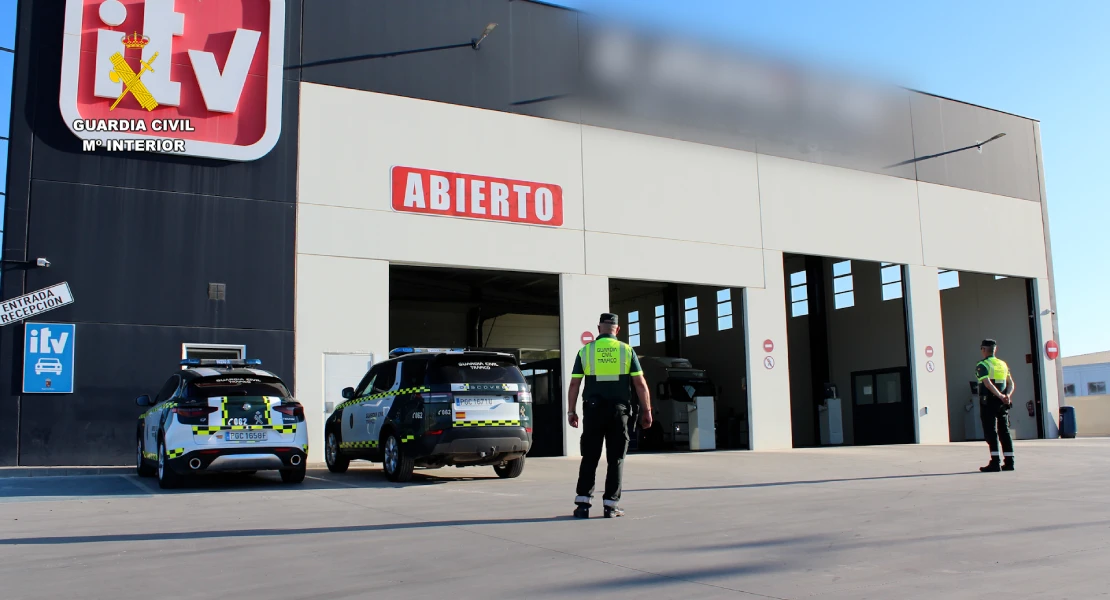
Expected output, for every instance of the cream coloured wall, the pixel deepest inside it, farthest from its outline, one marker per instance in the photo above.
(634, 207)
(974, 231)
(830, 211)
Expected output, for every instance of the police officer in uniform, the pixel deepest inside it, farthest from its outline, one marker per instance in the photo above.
(611, 371)
(996, 390)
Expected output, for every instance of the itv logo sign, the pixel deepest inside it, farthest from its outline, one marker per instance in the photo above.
(48, 358)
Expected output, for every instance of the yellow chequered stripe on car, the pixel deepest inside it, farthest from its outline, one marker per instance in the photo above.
(224, 416)
(349, 445)
(305, 448)
(400, 392)
(176, 452)
(164, 406)
(209, 430)
(509, 423)
(408, 438)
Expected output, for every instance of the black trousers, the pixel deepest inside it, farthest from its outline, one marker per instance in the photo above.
(603, 422)
(995, 416)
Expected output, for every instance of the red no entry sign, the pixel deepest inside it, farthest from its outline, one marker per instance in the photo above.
(1052, 349)
(768, 346)
(929, 351)
(587, 337)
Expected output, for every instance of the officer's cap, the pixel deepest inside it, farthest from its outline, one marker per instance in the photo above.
(609, 319)
(989, 344)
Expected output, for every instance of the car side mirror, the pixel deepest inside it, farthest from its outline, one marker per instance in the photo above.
(143, 400)
(348, 393)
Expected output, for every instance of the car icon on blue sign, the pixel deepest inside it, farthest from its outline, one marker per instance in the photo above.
(48, 365)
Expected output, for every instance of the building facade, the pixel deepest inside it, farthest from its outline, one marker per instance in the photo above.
(431, 186)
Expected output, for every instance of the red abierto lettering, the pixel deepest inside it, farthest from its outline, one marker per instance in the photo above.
(476, 197)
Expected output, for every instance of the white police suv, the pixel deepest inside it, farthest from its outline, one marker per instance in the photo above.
(221, 415)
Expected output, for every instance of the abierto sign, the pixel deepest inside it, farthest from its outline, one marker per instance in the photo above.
(192, 77)
(35, 303)
(476, 197)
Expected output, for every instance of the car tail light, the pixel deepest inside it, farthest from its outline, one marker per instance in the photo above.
(193, 415)
(524, 396)
(291, 409)
(433, 432)
(528, 430)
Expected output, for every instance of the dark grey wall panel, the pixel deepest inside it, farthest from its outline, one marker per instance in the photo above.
(113, 365)
(1007, 166)
(341, 29)
(138, 237)
(146, 258)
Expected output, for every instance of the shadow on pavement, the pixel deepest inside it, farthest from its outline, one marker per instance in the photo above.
(246, 533)
(741, 486)
(642, 579)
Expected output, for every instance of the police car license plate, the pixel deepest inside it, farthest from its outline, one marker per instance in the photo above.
(245, 436)
(478, 401)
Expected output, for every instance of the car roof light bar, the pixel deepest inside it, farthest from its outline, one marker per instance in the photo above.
(221, 362)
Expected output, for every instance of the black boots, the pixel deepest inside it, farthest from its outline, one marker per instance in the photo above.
(1008, 464)
(992, 466)
(583, 512)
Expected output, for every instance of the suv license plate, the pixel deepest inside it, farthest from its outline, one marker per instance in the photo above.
(478, 400)
(245, 436)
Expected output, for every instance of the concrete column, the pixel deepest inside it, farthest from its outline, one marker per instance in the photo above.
(342, 307)
(768, 389)
(582, 299)
(1050, 384)
(926, 330)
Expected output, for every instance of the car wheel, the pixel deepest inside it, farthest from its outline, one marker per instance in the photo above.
(143, 469)
(294, 475)
(336, 463)
(168, 479)
(510, 469)
(398, 466)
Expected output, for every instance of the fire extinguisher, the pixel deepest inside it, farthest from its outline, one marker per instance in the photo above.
(1029, 407)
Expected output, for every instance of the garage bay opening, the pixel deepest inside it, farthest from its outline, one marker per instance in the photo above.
(690, 343)
(850, 379)
(502, 311)
(975, 306)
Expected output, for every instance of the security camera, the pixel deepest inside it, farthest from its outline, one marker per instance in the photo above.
(42, 262)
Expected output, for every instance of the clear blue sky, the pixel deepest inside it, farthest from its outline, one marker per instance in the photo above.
(1048, 61)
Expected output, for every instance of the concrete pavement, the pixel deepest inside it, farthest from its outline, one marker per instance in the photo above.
(912, 522)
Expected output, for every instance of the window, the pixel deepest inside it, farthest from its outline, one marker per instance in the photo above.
(207, 351)
(367, 382)
(724, 310)
(383, 382)
(634, 328)
(168, 389)
(691, 305)
(947, 279)
(892, 280)
(1069, 389)
(660, 324)
(1096, 387)
(460, 368)
(412, 372)
(799, 295)
(843, 294)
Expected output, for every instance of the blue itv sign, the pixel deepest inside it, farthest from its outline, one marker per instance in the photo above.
(48, 358)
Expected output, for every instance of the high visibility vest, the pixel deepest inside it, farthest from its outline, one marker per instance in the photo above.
(997, 370)
(606, 359)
